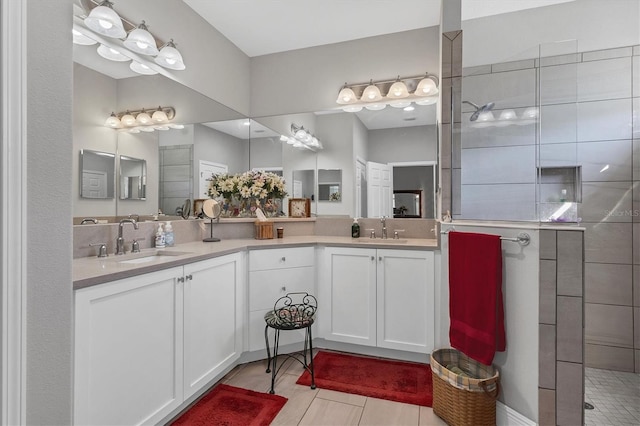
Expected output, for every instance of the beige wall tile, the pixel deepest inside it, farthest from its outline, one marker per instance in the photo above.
(608, 283)
(569, 394)
(609, 357)
(383, 412)
(547, 357)
(569, 329)
(547, 292)
(547, 244)
(636, 285)
(546, 407)
(608, 242)
(446, 55)
(636, 244)
(637, 357)
(456, 56)
(569, 263)
(636, 328)
(608, 325)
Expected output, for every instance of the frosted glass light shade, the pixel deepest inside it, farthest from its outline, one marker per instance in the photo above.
(111, 54)
(141, 68)
(346, 96)
(113, 121)
(176, 126)
(426, 87)
(104, 20)
(143, 118)
(81, 39)
(169, 57)
(128, 120)
(159, 116)
(146, 129)
(400, 104)
(375, 107)
(398, 90)
(353, 108)
(141, 41)
(371, 93)
(427, 101)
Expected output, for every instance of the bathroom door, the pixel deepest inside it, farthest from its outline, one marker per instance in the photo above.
(379, 190)
(206, 170)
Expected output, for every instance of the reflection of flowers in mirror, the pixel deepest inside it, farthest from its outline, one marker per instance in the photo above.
(251, 184)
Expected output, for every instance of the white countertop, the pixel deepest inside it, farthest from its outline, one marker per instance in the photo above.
(89, 271)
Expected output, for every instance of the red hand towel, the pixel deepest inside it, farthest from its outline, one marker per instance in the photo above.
(475, 295)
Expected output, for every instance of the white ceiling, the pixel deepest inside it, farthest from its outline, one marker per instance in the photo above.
(260, 27)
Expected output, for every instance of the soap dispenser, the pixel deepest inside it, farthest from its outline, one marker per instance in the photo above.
(355, 229)
(160, 237)
(169, 239)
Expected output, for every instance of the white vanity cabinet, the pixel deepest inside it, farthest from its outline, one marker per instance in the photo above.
(272, 274)
(144, 344)
(379, 297)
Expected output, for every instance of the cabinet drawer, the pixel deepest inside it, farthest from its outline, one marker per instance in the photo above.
(260, 260)
(265, 287)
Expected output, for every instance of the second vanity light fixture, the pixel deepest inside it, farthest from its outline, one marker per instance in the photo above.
(144, 120)
(302, 138)
(398, 93)
(105, 21)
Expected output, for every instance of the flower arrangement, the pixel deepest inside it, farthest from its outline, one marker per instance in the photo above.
(244, 187)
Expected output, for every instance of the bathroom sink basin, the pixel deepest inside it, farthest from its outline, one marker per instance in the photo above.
(380, 241)
(152, 257)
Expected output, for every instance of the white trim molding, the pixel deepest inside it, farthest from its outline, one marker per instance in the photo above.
(13, 229)
(506, 416)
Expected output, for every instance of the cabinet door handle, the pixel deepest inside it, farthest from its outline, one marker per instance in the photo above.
(189, 277)
(180, 279)
(284, 259)
(373, 258)
(284, 288)
(380, 258)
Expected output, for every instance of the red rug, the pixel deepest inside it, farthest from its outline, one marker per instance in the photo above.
(375, 377)
(228, 405)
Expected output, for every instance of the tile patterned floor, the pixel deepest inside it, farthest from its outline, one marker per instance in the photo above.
(324, 407)
(615, 396)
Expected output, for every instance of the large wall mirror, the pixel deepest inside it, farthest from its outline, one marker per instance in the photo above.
(97, 173)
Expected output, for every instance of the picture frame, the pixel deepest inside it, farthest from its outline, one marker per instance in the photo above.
(299, 207)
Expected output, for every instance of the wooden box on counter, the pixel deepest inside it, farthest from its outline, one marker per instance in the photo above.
(264, 230)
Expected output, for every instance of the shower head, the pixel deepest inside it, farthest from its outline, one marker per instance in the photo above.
(479, 109)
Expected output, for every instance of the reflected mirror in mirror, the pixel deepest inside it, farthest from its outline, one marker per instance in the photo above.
(133, 178)
(97, 174)
(330, 185)
(303, 184)
(407, 204)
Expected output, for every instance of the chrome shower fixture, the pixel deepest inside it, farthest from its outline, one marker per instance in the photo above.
(479, 109)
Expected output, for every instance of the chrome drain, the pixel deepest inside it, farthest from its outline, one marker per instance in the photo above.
(588, 406)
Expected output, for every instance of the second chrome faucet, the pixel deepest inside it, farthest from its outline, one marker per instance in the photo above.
(120, 239)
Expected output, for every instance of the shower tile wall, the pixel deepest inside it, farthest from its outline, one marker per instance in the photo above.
(590, 116)
(176, 176)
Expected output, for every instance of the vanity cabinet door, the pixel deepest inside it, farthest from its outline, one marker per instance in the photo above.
(213, 319)
(405, 308)
(128, 350)
(348, 295)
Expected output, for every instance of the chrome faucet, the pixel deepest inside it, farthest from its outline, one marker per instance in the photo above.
(89, 219)
(120, 240)
(383, 220)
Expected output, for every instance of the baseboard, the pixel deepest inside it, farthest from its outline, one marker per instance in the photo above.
(506, 416)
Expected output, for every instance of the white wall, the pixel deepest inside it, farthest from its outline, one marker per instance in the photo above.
(316, 74)
(48, 211)
(403, 144)
(265, 152)
(94, 98)
(215, 66)
(218, 147)
(518, 365)
(512, 36)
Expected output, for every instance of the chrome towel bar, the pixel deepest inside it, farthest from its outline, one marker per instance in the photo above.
(522, 238)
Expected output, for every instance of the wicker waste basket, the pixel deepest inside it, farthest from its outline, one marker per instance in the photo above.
(461, 400)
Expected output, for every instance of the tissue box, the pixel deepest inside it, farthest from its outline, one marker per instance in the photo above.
(264, 230)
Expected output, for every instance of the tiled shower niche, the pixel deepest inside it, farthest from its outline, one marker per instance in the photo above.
(560, 192)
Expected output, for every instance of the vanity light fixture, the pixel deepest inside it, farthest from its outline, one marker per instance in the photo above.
(112, 54)
(105, 21)
(140, 120)
(141, 41)
(302, 138)
(399, 93)
(81, 39)
(169, 57)
(141, 68)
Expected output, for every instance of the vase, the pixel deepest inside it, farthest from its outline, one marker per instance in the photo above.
(271, 207)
